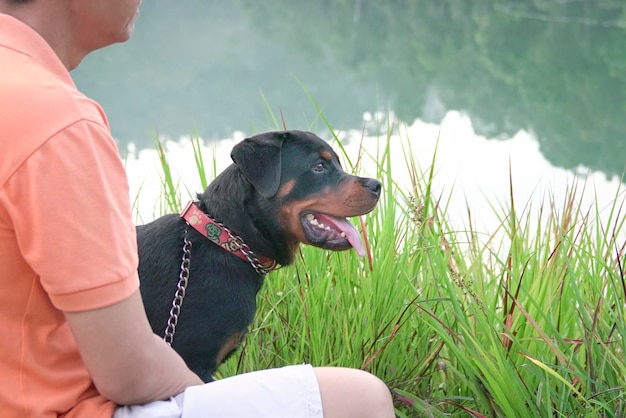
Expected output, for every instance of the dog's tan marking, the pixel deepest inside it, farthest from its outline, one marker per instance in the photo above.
(346, 199)
(229, 346)
(327, 155)
(286, 188)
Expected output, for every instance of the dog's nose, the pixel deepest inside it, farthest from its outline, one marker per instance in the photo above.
(373, 185)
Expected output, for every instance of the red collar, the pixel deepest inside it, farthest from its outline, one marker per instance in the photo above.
(222, 236)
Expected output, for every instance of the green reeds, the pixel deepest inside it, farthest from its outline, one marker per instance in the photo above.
(531, 324)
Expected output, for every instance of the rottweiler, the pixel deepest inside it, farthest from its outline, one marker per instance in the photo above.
(283, 188)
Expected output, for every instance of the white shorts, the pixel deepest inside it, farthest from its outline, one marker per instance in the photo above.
(290, 391)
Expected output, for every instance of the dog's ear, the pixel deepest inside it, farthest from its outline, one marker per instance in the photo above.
(259, 160)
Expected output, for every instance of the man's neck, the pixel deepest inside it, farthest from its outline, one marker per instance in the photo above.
(37, 15)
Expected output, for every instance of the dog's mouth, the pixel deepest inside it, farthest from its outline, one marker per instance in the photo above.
(331, 232)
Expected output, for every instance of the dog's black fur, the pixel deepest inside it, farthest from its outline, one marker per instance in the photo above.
(276, 180)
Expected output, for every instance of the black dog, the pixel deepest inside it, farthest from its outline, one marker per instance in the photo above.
(284, 188)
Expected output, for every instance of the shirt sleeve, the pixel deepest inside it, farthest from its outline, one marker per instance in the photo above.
(70, 207)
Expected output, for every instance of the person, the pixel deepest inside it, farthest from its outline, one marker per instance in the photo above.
(76, 341)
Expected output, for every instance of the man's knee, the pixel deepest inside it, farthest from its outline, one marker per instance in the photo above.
(353, 392)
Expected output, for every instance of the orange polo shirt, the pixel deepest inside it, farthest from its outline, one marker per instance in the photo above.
(67, 241)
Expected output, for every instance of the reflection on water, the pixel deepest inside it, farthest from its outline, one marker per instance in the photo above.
(555, 69)
(471, 171)
(543, 85)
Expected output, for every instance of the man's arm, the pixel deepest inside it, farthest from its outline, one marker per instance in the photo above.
(128, 363)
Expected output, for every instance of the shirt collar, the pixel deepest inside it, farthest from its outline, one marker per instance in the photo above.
(19, 37)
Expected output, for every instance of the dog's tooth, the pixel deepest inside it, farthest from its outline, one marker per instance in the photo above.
(310, 217)
(343, 234)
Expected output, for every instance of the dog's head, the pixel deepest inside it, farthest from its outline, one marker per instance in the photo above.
(300, 174)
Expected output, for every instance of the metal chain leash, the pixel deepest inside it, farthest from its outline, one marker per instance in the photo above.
(183, 279)
(243, 247)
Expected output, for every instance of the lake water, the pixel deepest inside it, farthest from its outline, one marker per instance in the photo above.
(480, 183)
(538, 88)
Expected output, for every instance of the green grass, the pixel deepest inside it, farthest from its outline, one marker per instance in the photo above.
(455, 323)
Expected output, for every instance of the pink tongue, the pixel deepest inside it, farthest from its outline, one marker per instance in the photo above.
(342, 224)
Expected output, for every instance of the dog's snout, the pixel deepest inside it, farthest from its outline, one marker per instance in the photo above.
(373, 186)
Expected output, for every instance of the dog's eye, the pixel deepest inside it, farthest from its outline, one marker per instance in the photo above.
(318, 168)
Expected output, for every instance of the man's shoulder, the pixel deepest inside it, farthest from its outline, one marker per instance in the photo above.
(31, 92)
(36, 105)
